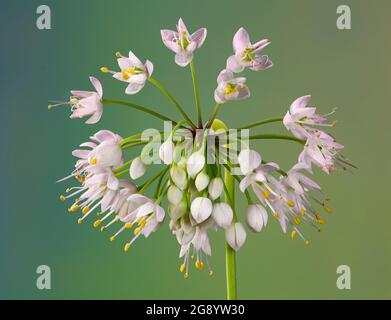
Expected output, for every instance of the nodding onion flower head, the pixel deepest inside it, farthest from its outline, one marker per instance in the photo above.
(230, 88)
(248, 55)
(192, 185)
(85, 103)
(183, 43)
(132, 71)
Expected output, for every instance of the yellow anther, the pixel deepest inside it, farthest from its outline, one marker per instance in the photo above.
(73, 208)
(67, 190)
(126, 247)
(306, 242)
(328, 209)
(139, 220)
(112, 238)
(186, 275)
(104, 69)
(192, 257)
(118, 54)
(137, 231)
(50, 107)
(198, 264)
(62, 198)
(321, 221)
(302, 211)
(275, 214)
(290, 203)
(125, 75)
(128, 225)
(98, 213)
(97, 223)
(85, 210)
(80, 220)
(211, 272)
(293, 234)
(266, 194)
(334, 124)
(182, 268)
(103, 228)
(143, 223)
(202, 265)
(297, 220)
(74, 101)
(93, 161)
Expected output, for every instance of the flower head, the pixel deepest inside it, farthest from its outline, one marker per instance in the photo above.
(248, 55)
(183, 43)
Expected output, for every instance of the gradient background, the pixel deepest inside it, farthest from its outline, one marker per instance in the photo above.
(348, 69)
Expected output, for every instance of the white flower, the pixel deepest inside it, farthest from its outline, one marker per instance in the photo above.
(137, 168)
(222, 214)
(195, 163)
(216, 188)
(174, 195)
(107, 154)
(201, 209)
(256, 217)
(166, 152)
(202, 181)
(179, 177)
(252, 168)
(134, 72)
(235, 235)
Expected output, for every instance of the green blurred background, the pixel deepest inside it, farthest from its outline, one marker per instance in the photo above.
(349, 69)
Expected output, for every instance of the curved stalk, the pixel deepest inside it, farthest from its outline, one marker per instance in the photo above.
(259, 123)
(196, 94)
(230, 255)
(175, 103)
(138, 107)
(276, 136)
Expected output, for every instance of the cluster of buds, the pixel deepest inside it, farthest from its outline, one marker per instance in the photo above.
(200, 162)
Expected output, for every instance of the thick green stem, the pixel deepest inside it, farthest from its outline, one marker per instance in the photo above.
(276, 136)
(196, 94)
(259, 123)
(216, 111)
(230, 255)
(175, 103)
(138, 107)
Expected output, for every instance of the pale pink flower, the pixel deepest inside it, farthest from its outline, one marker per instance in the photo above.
(247, 55)
(230, 88)
(183, 43)
(87, 103)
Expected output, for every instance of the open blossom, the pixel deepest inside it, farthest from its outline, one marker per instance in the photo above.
(133, 72)
(183, 43)
(302, 119)
(230, 88)
(104, 151)
(323, 151)
(85, 103)
(252, 168)
(248, 55)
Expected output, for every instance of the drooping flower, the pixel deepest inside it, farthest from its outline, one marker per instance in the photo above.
(222, 214)
(303, 121)
(235, 235)
(252, 168)
(137, 168)
(230, 88)
(183, 43)
(248, 55)
(256, 217)
(216, 188)
(201, 209)
(133, 72)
